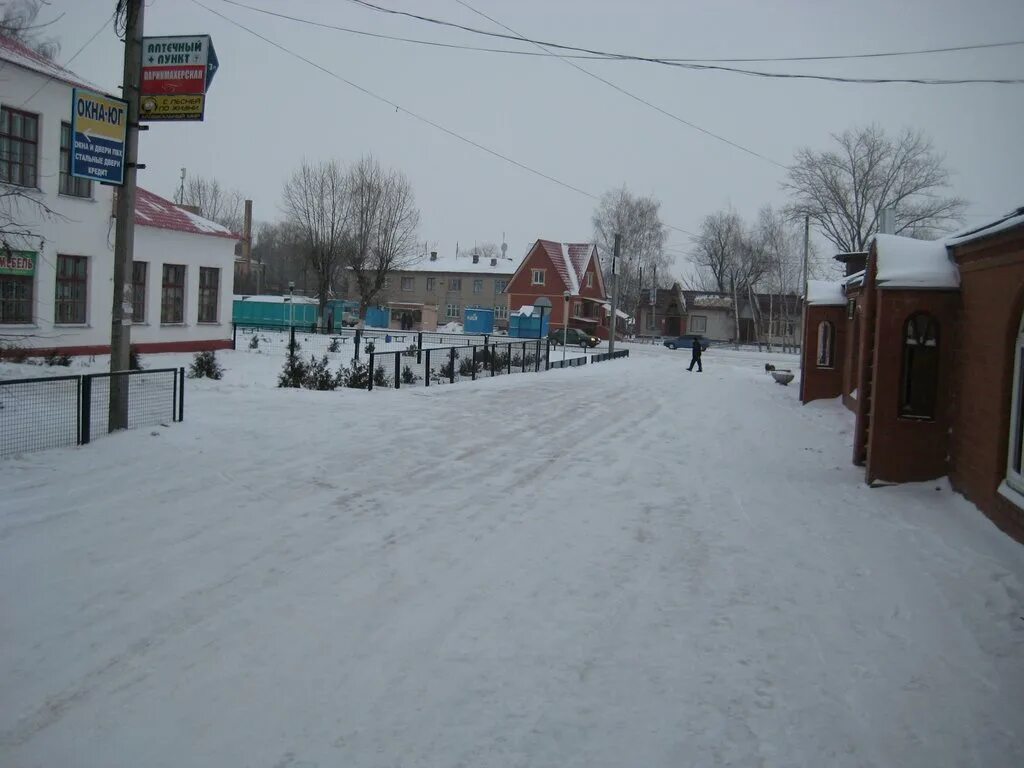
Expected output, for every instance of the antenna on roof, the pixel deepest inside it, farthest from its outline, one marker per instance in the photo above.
(181, 189)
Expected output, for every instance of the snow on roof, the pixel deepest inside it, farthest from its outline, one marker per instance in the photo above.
(268, 299)
(463, 263)
(722, 302)
(526, 310)
(570, 260)
(154, 211)
(618, 312)
(904, 262)
(21, 55)
(1014, 218)
(824, 293)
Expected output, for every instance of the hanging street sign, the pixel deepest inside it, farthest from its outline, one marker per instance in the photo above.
(176, 71)
(99, 125)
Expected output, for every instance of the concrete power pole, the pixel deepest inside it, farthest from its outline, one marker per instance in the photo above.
(124, 238)
(615, 296)
(803, 325)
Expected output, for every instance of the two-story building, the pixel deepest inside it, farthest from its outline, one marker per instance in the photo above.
(57, 236)
(437, 290)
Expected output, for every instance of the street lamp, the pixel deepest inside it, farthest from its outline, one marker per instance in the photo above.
(565, 324)
(542, 303)
(291, 302)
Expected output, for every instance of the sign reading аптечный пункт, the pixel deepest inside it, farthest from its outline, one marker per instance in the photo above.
(176, 71)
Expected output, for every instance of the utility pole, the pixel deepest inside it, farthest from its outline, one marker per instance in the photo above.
(654, 299)
(615, 296)
(124, 238)
(181, 188)
(803, 325)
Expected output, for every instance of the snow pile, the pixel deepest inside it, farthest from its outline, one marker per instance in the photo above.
(825, 293)
(450, 328)
(904, 262)
(712, 302)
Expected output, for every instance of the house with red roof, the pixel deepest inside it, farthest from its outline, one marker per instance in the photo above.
(569, 275)
(57, 237)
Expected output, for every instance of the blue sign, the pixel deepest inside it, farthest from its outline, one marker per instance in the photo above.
(99, 127)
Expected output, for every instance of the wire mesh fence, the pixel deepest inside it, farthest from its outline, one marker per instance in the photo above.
(58, 411)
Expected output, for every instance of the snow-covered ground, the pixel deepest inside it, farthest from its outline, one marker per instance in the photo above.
(622, 564)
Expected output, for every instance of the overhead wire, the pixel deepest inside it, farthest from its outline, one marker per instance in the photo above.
(688, 64)
(74, 56)
(630, 94)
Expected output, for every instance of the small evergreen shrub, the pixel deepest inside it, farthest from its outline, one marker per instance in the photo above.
(370, 347)
(408, 376)
(411, 351)
(254, 342)
(335, 345)
(54, 358)
(134, 361)
(205, 366)
(380, 379)
(318, 376)
(356, 377)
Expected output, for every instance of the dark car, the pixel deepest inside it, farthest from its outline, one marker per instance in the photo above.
(573, 336)
(686, 342)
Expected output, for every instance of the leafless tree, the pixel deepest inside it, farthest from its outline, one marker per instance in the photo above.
(318, 205)
(19, 20)
(384, 220)
(214, 202)
(782, 243)
(642, 248)
(843, 190)
(279, 257)
(486, 251)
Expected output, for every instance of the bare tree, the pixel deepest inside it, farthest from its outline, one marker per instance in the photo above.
(279, 257)
(384, 220)
(19, 22)
(486, 251)
(844, 190)
(20, 214)
(214, 202)
(782, 243)
(642, 249)
(318, 205)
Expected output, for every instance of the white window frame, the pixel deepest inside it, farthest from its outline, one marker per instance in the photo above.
(590, 279)
(408, 284)
(453, 312)
(500, 286)
(691, 325)
(431, 284)
(538, 273)
(500, 312)
(1015, 478)
(830, 337)
(577, 309)
(478, 285)
(455, 284)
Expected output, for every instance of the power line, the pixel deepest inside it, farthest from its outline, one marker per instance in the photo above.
(630, 94)
(606, 57)
(74, 56)
(691, 65)
(410, 113)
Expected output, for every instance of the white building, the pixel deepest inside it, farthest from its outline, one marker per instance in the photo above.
(56, 265)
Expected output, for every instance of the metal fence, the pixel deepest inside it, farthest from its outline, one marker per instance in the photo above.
(448, 365)
(51, 412)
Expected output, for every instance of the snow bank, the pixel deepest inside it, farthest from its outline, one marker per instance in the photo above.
(825, 293)
(907, 263)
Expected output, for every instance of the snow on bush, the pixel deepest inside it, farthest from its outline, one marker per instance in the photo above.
(205, 365)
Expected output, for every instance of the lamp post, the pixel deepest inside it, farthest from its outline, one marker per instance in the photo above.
(542, 303)
(291, 302)
(565, 323)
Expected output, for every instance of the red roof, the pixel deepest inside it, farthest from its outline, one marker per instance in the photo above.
(154, 211)
(23, 56)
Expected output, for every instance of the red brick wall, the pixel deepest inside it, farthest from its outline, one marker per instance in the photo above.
(992, 291)
(822, 383)
(901, 449)
(521, 292)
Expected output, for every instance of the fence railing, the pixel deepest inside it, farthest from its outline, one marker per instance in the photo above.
(57, 411)
(448, 365)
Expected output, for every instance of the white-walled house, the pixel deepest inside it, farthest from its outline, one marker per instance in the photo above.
(56, 266)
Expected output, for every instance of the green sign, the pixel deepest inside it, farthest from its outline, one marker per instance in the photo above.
(17, 263)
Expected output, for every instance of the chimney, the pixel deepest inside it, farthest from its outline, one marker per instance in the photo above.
(494, 262)
(476, 258)
(247, 233)
(433, 255)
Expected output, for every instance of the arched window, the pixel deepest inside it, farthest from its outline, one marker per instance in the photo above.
(1015, 459)
(920, 367)
(826, 344)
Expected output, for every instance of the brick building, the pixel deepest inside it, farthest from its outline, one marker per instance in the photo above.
(925, 346)
(550, 269)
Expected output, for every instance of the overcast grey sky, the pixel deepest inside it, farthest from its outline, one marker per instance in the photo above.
(267, 111)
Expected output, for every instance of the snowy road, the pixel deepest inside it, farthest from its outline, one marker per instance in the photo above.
(618, 565)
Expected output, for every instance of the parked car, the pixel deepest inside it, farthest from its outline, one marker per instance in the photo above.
(686, 342)
(573, 336)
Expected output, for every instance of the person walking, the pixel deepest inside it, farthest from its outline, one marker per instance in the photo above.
(695, 360)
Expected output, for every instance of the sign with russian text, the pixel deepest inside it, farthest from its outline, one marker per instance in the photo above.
(176, 71)
(21, 263)
(99, 125)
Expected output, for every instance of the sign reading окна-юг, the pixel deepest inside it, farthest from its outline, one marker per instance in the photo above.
(99, 124)
(176, 72)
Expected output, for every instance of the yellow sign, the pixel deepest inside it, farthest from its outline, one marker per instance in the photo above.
(99, 125)
(172, 107)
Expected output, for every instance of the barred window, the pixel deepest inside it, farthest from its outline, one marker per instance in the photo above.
(17, 284)
(139, 272)
(70, 185)
(19, 147)
(172, 297)
(920, 383)
(71, 294)
(209, 290)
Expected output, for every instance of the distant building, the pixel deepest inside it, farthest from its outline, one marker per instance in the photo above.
(925, 345)
(56, 283)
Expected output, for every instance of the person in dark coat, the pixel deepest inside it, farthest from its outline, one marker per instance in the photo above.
(695, 360)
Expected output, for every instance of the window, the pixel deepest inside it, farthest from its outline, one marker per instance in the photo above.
(209, 290)
(499, 286)
(387, 283)
(408, 283)
(920, 367)
(139, 271)
(577, 309)
(17, 279)
(1015, 457)
(19, 145)
(538, 277)
(453, 311)
(478, 286)
(590, 279)
(455, 284)
(500, 312)
(826, 342)
(70, 185)
(70, 298)
(697, 324)
(172, 297)
(431, 282)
